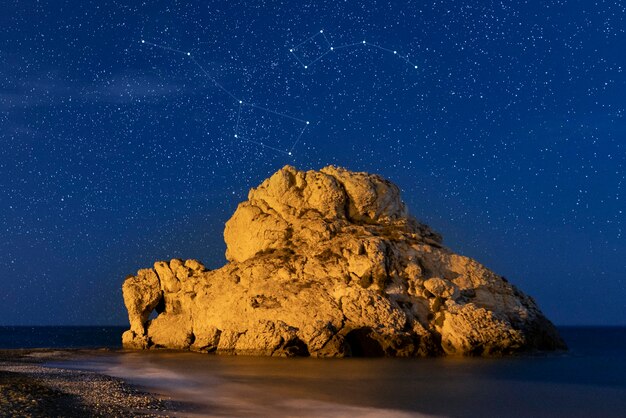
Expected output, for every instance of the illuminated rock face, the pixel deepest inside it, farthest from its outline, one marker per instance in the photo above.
(329, 263)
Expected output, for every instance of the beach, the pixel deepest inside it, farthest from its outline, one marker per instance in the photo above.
(29, 389)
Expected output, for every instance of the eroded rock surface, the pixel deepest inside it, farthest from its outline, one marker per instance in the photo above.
(329, 263)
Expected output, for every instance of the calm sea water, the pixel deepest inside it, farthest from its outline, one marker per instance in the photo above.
(587, 381)
(61, 337)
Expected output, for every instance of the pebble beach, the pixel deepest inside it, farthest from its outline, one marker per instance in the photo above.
(30, 389)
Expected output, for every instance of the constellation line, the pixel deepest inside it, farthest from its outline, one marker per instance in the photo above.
(346, 46)
(382, 48)
(263, 145)
(240, 102)
(274, 112)
(297, 139)
(238, 118)
(214, 80)
(297, 58)
(331, 47)
(167, 48)
(307, 39)
(326, 39)
(318, 58)
(407, 60)
(392, 51)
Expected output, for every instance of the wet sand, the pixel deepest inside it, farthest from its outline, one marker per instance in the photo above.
(29, 389)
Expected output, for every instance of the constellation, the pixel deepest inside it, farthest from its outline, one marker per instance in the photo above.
(330, 48)
(241, 104)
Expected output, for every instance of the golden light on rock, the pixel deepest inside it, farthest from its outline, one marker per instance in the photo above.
(329, 263)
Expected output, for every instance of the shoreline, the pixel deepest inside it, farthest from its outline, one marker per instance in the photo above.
(112, 382)
(31, 389)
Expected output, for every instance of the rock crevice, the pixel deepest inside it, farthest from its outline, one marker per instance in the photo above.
(329, 263)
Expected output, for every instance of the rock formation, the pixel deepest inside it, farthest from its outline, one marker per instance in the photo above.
(329, 263)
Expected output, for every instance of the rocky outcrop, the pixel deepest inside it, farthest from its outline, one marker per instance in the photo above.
(329, 263)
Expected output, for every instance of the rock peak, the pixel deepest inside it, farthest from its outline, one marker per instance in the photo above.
(297, 210)
(330, 263)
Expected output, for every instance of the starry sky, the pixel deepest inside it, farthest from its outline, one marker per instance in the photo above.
(508, 138)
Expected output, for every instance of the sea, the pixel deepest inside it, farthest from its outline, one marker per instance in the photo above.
(589, 380)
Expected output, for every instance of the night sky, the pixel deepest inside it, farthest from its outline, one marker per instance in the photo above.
(509, 137)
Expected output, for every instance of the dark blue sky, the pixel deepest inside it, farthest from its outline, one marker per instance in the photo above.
(508, 138)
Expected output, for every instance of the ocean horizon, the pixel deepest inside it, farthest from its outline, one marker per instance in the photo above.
(61, 336)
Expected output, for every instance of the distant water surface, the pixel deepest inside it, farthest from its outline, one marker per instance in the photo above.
(61, 337)
(589, 380)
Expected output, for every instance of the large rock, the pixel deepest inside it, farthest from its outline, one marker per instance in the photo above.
(329, 263)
